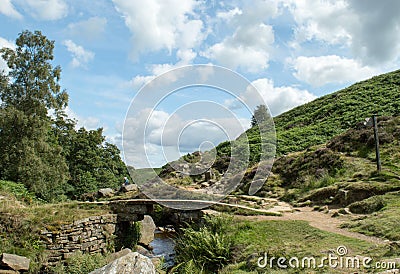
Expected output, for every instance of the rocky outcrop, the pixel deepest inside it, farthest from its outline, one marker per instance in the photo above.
(105, 193)
(133, 262)
(147, 228)
(14, 263)
(129, 188)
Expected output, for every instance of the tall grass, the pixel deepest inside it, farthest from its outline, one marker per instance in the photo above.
(205, 249)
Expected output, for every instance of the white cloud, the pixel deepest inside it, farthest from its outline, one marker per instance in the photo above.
(91, 28)
(247, 48)
(7, 8)
(185, 57)
(4, 43)
(320, 20)
(80, 56)
(161, 24)
(278, 99)
(230, 14)
(46, 9)
(164, 137)
(371, 29)
(87, 122)
(322, 70)
(251, 42)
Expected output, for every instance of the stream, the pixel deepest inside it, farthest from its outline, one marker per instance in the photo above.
(163, 246)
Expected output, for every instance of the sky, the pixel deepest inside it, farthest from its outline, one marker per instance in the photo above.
(291, 51)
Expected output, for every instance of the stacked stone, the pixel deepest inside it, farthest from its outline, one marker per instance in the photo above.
(89, 235)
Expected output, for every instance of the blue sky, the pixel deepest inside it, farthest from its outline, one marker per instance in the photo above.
(291, 51)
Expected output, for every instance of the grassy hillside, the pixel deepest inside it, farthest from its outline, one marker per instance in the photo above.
(320, 120)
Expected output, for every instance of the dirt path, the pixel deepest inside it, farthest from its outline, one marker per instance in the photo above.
(319, 220)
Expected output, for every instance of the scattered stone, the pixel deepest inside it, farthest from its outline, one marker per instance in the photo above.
(140, 249)
(116, 255)
(133, 262)
(324, 209)
(205, 184)
(105, 193)
(306, 203)
(129, 188)
(343, 211)
(335, 214)
(6, 271)
(15, 262)
(147, 228)
(90, 196)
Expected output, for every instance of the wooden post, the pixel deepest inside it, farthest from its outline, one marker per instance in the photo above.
(378, 156)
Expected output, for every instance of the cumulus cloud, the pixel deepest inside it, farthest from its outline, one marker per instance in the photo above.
(91, 28)
(278, 99)
(250, 44)
(168, 24)
(46, 9)
(247, 48)
(163, 137)
(318, 71)
(80, 56)
(371, 29)
(185, 57)
(87, 122)
(7, 8)
(230, 14)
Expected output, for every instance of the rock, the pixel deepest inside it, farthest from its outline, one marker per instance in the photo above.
(335, 214)
(15, 262)
(147, 228)
(105, 193)
(116, 255)
(5, 271)
(140, 249)
(205, 184)
(90, 196)
(129, 188)
(133, 262)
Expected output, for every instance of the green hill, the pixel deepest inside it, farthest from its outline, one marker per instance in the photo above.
(320, 120)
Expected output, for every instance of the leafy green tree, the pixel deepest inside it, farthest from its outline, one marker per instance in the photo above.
(260, 115)
(93, 163)
(30, 153)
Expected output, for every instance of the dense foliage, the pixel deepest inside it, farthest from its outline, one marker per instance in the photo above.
(41, 150)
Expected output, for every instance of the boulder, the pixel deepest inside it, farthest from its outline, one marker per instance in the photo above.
(129, 188)
(116, 255)
(147, 228)
(140, 249)
(15, 262)
(133, 262)
(7, 271)
(105, 193)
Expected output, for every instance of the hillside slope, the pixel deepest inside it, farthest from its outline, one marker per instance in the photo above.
(320, 120)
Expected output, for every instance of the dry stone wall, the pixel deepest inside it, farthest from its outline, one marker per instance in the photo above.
(90, 235)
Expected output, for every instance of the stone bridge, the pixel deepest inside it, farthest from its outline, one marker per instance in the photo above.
(135, 209)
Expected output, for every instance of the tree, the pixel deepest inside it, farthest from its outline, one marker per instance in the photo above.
(260, 115)
(31, 154)
(44, 151)
(93, 163)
